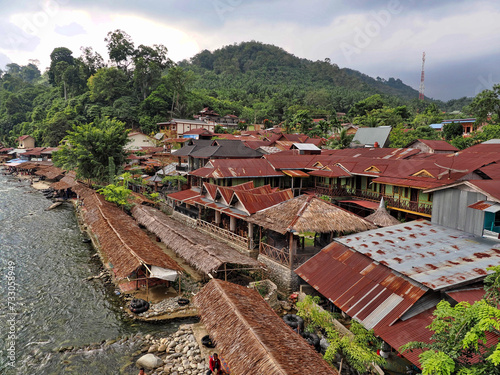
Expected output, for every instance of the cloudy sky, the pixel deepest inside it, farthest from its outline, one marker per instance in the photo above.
(379, 38)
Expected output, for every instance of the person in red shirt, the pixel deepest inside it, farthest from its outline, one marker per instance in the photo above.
(214, 365)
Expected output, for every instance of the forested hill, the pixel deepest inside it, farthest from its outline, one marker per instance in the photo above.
(258, 70)
(141, 87)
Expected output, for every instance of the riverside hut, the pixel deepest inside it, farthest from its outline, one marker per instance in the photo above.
(251, 337)
(134, 259)
(196, 248)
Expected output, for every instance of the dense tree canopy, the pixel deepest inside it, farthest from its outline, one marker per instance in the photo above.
(259, 83)
(88, 149)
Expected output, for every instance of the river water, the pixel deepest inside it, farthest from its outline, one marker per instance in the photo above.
(46, 302)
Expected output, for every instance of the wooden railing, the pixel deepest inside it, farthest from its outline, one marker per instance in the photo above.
(223, 233)
(424, 208)
(281, 256)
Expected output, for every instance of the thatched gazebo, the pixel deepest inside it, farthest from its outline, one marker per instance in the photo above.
(303, 214)
(251, 337)
(381, 217)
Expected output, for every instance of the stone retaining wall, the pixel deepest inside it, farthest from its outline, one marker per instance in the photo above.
(285, 279)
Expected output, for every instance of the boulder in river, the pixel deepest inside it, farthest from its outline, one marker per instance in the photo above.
(149, 361)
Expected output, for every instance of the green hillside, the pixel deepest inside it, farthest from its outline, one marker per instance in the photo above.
(254, 71)
(141, 86)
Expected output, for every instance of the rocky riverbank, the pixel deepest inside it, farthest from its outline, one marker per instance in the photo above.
(176, 354)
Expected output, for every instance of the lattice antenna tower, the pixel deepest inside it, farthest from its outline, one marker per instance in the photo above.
(421, 89)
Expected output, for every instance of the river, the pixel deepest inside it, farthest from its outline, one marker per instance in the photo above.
(47, 302)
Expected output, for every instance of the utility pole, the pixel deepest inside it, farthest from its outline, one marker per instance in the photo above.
(421, 89)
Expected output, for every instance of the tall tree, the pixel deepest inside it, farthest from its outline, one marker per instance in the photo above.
(486, 106)
(92, 61)
(58, 55)
(89, 147)
(149, 63)
(120, 48)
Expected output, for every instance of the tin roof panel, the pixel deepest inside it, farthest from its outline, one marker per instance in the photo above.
(431, 254)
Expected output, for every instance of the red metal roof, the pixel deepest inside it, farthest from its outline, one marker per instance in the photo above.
(295, 173)
(237, 168)
(334, 171)
(438, 145)
(468, 295)
(256, 202)
(367, 204)
(184, 195)
(37, 151)
(417, 182)
(491, 187)
(481, 205)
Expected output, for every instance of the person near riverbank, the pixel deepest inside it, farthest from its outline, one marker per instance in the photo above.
(141, 371)
(214, 365)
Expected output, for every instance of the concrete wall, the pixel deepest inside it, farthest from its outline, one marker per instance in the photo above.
(285, 279)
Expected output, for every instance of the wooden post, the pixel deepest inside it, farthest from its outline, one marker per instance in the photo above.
(232, 223)
(225, 272)
(180, 279)
(147, 287)
(291, 250)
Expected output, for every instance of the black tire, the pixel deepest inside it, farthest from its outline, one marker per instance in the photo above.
(294, 321)
(141, 309)
(183, 301)
(207, 341)
(138, 303)
(312, 339)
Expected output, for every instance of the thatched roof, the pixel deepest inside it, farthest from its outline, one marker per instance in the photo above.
(124, 244)
(308, 213)
(50, 173)
(198, 249)
(251, 337)
(67, 182)
(381, 217)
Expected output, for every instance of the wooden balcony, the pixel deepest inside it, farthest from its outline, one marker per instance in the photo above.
(224, 234)
(392, 202)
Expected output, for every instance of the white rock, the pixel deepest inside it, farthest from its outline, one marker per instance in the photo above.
(149, 361)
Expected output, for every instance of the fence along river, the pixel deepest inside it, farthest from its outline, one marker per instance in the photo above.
(45, 266)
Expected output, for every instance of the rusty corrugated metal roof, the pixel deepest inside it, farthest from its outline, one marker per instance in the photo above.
(481, 205)
(295, 173)
(468, 295)
(236, 168)
(433, 255)
(366, 204)
(418, 182)
(184, 195)
(365, 290)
